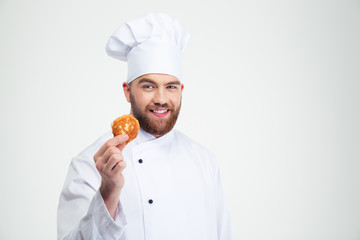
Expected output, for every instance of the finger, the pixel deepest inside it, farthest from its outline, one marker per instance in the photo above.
(121, 146)
(112, 162)
(109, 152)
(119, 168)
(113, 142)
(101, 162)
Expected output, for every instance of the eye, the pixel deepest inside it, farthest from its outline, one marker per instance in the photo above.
(148, 87)
(172, 87)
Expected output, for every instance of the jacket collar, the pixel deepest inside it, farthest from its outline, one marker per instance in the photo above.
(144, 137)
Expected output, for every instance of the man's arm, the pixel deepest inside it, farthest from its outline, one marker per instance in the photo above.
(83, 212)
(223, 214)
(110, 164)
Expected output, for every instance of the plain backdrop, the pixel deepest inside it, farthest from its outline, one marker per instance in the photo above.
(271, 87)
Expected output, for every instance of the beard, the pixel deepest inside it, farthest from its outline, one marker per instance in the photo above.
(160, 126)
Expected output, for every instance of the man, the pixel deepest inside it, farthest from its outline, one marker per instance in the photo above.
(162, 185)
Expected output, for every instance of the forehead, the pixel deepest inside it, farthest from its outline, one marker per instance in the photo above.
(156, 78)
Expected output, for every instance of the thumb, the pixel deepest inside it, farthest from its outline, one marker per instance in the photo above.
(122, 138)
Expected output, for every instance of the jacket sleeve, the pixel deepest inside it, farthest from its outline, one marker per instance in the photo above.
(82, 213)
(224, 228)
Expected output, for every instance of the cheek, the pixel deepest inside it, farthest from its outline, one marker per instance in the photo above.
(142, 100)
(176, 100)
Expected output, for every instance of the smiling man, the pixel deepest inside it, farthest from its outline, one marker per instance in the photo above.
(162, 185)
(158, 102)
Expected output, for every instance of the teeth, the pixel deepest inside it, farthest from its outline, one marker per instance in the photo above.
(159, 111)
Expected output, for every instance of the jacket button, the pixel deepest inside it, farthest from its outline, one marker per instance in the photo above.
(151, 201)
(140, 161)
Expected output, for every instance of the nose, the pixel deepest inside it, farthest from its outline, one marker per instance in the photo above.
(160, 97)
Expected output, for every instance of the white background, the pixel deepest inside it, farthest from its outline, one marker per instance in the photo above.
(271, 87)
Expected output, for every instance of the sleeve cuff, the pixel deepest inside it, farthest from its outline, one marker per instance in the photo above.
(107, 227)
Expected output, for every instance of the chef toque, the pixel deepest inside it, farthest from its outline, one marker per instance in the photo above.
(150, 44)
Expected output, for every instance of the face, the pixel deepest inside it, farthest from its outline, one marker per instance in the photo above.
(155, 102)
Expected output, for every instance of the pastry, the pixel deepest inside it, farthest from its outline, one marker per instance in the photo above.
(126, 124)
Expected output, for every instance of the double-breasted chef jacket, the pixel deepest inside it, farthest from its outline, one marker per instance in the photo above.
(172, 190)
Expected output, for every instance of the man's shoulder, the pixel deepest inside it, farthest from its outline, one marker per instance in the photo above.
(90, 150)
(197, 153)
(191, 143)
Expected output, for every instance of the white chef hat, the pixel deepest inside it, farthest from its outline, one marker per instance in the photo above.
(150, 44)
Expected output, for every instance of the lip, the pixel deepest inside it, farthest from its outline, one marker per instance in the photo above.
(160, 112)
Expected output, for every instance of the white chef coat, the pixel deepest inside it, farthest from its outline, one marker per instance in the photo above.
(173, 192)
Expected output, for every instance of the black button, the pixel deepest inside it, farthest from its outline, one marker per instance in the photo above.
(140, 161)
(151, 201)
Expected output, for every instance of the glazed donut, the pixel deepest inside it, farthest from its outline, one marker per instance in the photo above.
(126, 124)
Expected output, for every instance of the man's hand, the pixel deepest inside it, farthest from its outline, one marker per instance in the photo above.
(110, 164)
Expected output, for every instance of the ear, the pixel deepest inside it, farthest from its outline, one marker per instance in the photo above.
(126, 89)
(182, 87)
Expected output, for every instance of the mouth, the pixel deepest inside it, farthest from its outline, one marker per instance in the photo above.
(160, 113)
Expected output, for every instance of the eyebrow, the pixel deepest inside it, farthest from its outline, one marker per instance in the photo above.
(147, 80)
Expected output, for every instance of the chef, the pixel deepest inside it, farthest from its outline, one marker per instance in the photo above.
(162, 185)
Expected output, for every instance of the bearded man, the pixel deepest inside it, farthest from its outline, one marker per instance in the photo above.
(162, 185)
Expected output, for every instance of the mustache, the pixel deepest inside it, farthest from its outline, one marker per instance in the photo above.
(157, 105)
